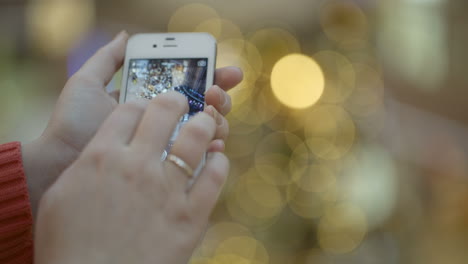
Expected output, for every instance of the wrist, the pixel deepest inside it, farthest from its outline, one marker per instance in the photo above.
(44, 159)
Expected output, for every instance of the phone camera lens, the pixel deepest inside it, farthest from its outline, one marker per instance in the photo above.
(155, 46)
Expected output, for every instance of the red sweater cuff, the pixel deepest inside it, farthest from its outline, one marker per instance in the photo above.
(15, 209)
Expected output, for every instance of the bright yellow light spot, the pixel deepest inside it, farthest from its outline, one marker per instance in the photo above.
(342, 228)
(188, 17)
(55, 25)
(297, 81)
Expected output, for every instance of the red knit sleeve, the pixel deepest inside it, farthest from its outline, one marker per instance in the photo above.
(15, 210)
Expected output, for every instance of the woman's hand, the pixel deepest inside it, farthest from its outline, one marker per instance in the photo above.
(82, 107)
(119, 203)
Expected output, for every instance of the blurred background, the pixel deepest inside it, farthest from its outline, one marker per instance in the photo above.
(348, 134)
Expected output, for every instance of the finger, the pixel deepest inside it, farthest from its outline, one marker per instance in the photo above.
(222, 126)
(101, 67)
(159, 121)
(217, 145)
(218, 98)
(120, 126)
(204, 193)
(191, 145)
(228, 77)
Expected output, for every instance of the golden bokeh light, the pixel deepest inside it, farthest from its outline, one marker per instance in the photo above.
(343, 21)
(238, 214)
(231, 258)
(339, 76)
(257, 197)
(342, 228)
(237, 48)
(246, 207)
(273, 44)
(315, 175)
(305, 204)
(330, 132)
(240, 145)
(316, 178)
(273, 155)
(221, 29)
(188, 17)
(258, 108)
(246, 247)
(297, 81)
(54, 26)
(218, 233)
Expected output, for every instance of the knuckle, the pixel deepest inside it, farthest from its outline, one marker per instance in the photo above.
(100, 154)
(97, 153)
(182, 214)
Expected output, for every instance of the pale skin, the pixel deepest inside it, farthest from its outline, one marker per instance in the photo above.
(83, 106)
(119, 203)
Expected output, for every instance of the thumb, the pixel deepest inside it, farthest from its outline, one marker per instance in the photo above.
(101, 67)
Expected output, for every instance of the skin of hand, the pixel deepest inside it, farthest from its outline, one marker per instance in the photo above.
(84, 104)
(119, 203)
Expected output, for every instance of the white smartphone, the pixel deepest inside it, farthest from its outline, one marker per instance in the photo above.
(162, 62)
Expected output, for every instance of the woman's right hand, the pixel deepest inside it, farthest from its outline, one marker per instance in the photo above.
(119, 203)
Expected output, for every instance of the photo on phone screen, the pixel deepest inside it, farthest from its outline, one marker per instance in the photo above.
(147, 78)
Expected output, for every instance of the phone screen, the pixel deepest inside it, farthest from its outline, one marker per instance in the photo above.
(147, 78)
